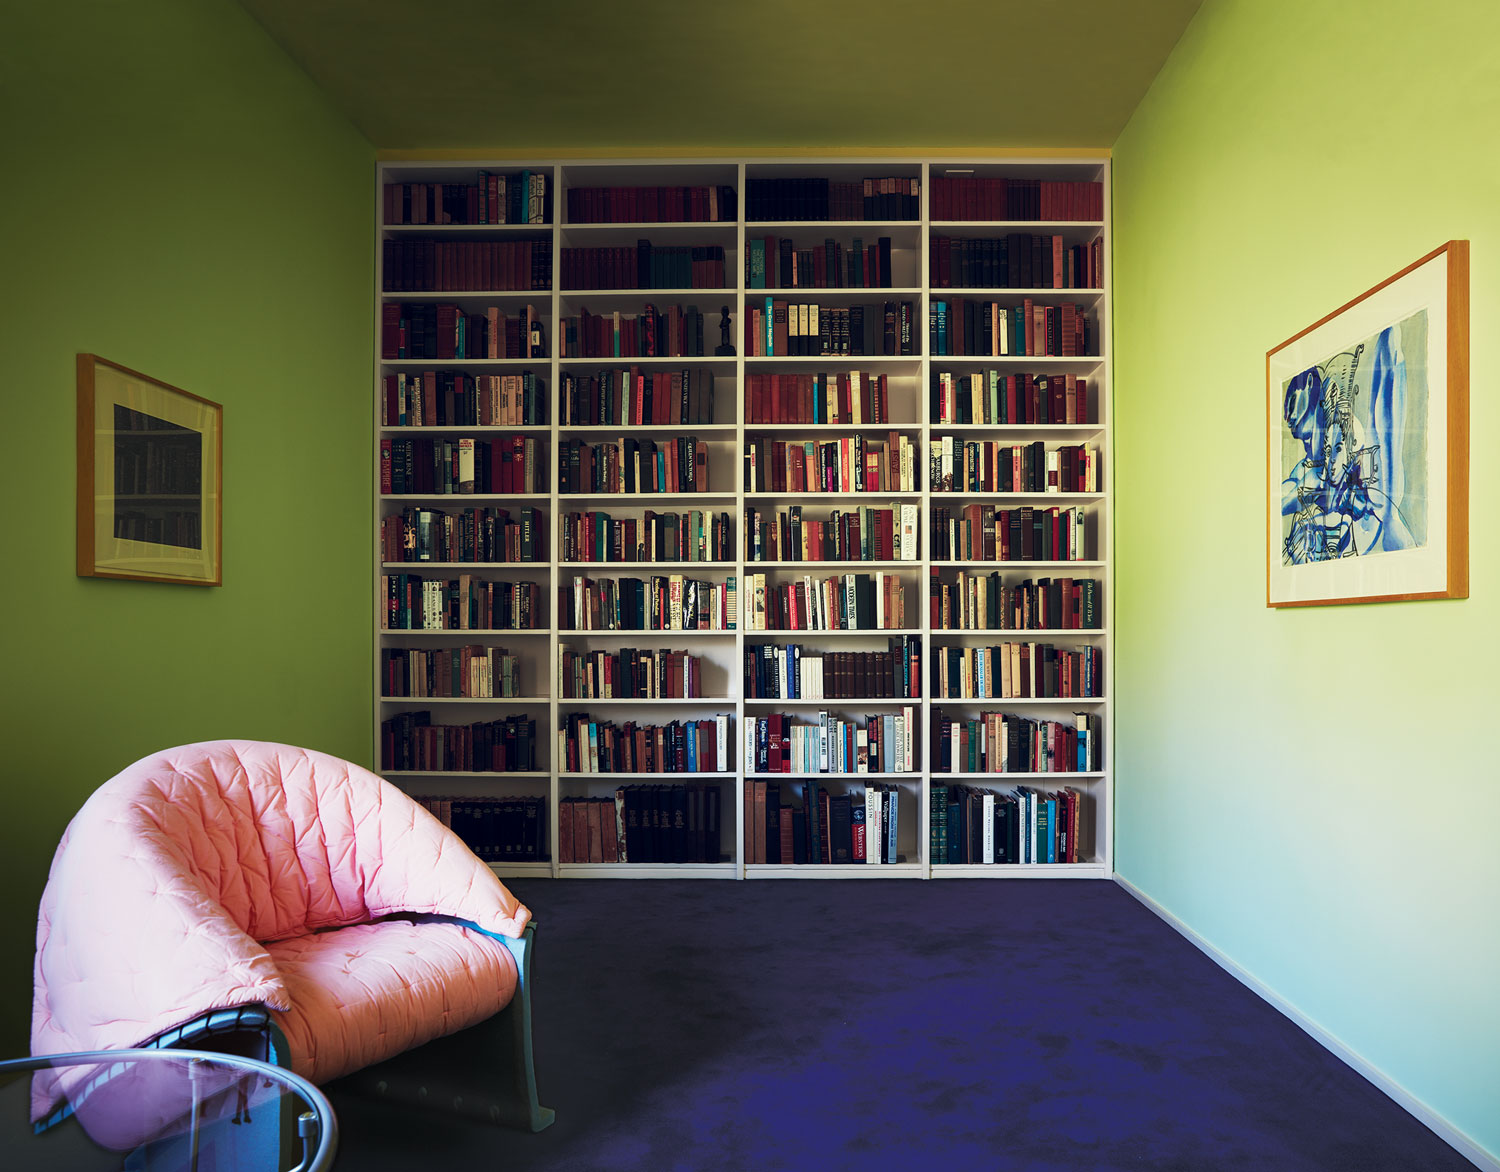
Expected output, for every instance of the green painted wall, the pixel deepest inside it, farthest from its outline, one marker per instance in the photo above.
(178, 198)
(1310, 791)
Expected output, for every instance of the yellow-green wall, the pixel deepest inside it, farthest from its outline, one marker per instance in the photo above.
(1311, 791)
(178, 197)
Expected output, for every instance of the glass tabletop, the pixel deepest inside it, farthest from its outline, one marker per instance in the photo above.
(161, 1111)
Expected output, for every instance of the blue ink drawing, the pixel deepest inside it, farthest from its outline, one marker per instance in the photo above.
(1354, 450)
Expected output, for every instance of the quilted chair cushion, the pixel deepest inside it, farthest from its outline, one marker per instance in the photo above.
(175, 876)
(362, 994)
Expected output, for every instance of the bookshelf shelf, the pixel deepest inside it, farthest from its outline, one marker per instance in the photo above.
(799, 212)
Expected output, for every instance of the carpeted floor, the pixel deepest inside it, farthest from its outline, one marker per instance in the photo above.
(969, 1024)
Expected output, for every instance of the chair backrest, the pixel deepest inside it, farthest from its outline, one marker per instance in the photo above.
(172, 875)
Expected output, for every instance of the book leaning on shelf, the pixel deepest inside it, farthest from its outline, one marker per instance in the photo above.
(795, 673)
(984, 602)
(628, 673)
(857, 825)
(692, 536)
(635, 397)
(409, 741)
(414, 603)
(864, 534)
(644, 265)
(1016, 671)
(462, 465)
(675, 464)
(1017, 260)
(842, 602)
(498, 830)
(665, 602)
(1002, 742)
(984, 533)
(476, 671)
(778, 263)
(885, 743)
(511, 197)
(1001, 197)
(963, 326)
(462, 535)
(995, 398)
(646, 823)
(971, 824)
(851, 463)
(452, 398)
(466, 266)
(673, 332)
(586, 745)
(681, 204)
(844, 397)
(957, 465)
(881, 197)
(778, 328)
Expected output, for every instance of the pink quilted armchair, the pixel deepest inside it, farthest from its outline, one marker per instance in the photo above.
(309, 897)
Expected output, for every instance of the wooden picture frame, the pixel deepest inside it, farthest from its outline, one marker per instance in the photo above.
(1367, 444)
(150, 478)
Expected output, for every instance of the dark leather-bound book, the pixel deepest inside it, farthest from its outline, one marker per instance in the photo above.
(840, 828)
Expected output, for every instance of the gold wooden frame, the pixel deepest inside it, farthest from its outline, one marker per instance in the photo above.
(181, 493)
(1439, 284)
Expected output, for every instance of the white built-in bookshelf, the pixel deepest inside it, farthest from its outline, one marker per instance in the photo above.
(984, 496)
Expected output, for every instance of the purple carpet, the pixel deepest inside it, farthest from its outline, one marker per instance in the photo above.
(963, 1024)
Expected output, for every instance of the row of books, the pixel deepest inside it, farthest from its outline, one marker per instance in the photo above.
(675, 464)
(1002, 197)
(792, 673)
(419, 330)
(851, 463)
(667, 602)
(984, 602)
(958, 465)
(1012, 671)
(847, 397)
(1002, 742)
(892, 197)
(465, 266)
(637, 398)
(832, 743)
(465, 603)
(673, 332)
(857, 825)
(449, 398)
(772, 263)
(586, 745)
(409, 741)
(984, 533)
(962, 326)
(498, 830)
(691, 536)
(996, 398)
(681, 204)
(476, 671)
(461, 464)
(644, 266)
(649, 823)
(515, 197)
(843, 602)
(1019, 260)
(863, 534)
(161, 522)
(972, 824)
(778, 328)
(628, 673)
(463, 535)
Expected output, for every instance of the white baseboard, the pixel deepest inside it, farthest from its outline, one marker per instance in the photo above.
(1466, 1147)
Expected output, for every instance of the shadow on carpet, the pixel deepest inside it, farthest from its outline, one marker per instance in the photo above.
(969, 1024)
